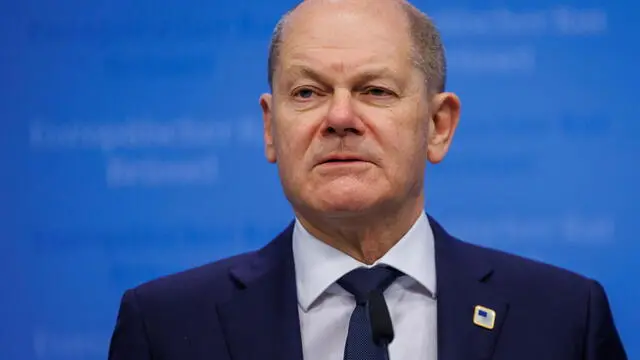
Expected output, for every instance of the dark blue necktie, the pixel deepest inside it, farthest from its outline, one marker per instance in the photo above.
(361, 282)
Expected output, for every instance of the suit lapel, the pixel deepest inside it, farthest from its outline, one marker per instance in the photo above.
(261, 320)
(462, 285)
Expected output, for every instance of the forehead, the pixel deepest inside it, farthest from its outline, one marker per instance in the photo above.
(348, 38)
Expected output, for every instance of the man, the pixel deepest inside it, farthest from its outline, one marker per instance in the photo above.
(357, 108)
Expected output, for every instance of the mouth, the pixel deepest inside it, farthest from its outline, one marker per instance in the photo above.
(338, 160)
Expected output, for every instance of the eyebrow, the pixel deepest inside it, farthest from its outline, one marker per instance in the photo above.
(361, 77)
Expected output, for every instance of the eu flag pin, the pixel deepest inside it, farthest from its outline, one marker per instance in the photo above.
(484, 317)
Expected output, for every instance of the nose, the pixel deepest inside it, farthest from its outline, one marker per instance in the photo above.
(341, 119)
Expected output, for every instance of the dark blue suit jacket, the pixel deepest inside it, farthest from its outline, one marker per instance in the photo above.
(245, 308)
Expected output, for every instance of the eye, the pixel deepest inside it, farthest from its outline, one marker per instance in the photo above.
(377, 92)
(304, 93)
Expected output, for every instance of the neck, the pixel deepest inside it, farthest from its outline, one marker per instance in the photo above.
(365, 238)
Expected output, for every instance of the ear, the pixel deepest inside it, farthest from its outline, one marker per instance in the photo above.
(266, 103)
(445, 114)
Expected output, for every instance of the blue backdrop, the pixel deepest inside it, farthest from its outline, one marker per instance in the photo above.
(131, 148)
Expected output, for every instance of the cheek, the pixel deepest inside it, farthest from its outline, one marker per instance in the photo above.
(292, 144)
(401, 135)
(404, 145)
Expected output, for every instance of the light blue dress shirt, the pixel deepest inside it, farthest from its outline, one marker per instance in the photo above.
(325, 308)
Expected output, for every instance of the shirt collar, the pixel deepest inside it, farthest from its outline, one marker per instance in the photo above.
(319, 265)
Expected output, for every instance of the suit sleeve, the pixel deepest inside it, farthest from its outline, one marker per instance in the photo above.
(129, 339)
(602, 338)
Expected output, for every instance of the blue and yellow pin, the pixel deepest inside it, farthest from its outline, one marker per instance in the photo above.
(484, 317)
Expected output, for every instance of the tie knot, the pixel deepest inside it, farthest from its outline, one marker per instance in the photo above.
(362, 281)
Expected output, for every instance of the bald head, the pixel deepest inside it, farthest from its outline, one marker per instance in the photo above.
(427, 52)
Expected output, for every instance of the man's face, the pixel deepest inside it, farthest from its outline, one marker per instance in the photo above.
(348, 122)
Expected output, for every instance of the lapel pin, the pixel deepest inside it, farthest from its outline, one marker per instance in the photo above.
(484, 317)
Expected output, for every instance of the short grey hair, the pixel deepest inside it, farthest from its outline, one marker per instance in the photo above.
(427, 53)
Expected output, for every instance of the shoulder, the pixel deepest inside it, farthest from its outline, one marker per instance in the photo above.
(509, 271)
(210, 281)
(512, 266)
(529, 279)
(215, 282)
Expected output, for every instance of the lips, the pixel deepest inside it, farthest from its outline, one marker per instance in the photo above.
(341, 158)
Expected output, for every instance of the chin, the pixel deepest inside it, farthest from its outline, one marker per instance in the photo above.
(346, 202)
(340, 197)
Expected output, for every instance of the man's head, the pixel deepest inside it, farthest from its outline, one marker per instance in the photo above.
(357, 106)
